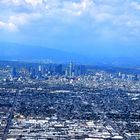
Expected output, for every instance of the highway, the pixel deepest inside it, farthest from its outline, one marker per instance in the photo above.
(9, 120)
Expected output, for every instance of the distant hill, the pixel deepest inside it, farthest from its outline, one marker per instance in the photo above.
(13, 51)
(18, 52)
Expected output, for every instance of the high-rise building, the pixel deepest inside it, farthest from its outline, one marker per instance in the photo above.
(59, 69)
(39, 72)
(70, 69)
(39, 68)
(14, 72)
(82, 70)
(32, 73)
(66, 72)
(75, 70)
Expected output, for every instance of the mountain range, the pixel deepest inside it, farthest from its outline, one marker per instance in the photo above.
(19, 52)
(13, 51)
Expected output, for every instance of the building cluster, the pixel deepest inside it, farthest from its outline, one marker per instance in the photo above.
(51, 128)
(68, 102)
(42, 71)
(4, 113)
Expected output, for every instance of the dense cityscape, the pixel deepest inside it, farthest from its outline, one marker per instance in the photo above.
(68, 102)
(69, 69)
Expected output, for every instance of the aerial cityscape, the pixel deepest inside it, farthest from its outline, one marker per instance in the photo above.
(68, 102)
(69, 69)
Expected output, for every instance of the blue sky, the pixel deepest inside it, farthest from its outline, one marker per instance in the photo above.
(93, 27)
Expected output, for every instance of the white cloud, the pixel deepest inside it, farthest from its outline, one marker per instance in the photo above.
(83, 6)
(8, 26)
(12, 2)
(35, 3)
(119, 13)
(135, 5)
(17, 20)
(101, 17)
(24, 18)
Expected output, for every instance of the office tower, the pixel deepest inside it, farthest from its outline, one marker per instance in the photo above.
(39, 68)
(14, 72)
(79, 70)
(59, 69)
(123, 76)
(66, 72)
(136, 77)
(32, 73)
(39, 72)
(119, 75)
(71, 70)
(82, 70)
(51, 69)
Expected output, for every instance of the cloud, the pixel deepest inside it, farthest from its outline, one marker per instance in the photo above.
(135, 5)
(34, 3)
(117, 13)
(19, 19)
(11, 2)
(24, 18)
(8, 26)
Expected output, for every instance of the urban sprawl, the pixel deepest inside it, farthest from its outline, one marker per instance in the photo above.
(68, 102)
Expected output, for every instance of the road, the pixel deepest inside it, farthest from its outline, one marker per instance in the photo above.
(9, 120)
